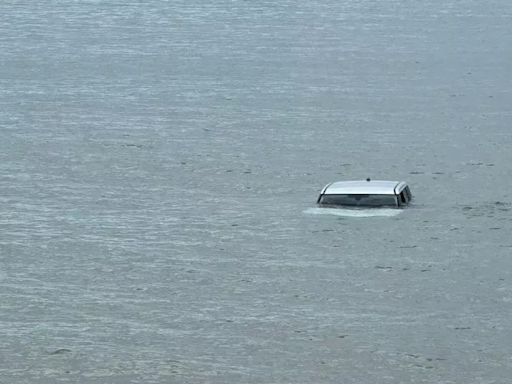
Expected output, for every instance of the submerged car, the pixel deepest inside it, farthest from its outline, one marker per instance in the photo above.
(365, 193)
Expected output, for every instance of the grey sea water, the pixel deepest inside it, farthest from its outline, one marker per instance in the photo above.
(159, 165)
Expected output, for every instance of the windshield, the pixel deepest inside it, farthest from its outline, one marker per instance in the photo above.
(359, 200)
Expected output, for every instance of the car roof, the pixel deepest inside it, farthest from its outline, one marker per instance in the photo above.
(372, 187)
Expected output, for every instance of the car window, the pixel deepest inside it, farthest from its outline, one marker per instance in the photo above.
(403, 198)
(359, 200)
(408, 193)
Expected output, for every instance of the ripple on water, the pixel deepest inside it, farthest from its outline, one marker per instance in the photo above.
(373, 212)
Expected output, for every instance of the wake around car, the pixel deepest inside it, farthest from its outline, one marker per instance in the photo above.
(365, 193)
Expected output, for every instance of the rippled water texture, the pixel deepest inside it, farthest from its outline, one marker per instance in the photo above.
(374, 212)
(159, 167)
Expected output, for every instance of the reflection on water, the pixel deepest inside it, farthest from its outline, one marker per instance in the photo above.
(355, 212)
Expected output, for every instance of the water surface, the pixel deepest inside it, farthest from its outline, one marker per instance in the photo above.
(159, 165)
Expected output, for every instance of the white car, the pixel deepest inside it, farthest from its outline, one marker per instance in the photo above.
(365, 193)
